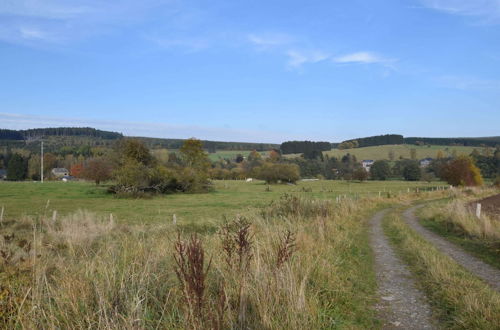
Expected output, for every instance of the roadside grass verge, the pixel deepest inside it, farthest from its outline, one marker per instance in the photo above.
(455, 221)
(298, 263)
(459, 299)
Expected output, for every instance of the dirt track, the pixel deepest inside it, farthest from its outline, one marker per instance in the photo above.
(477, 267)
(402, 305)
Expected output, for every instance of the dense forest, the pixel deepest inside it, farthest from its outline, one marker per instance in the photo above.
(387, 139)
(370, 141)
(37, 133)
(471, 142)
(301, 147)
(75, 137)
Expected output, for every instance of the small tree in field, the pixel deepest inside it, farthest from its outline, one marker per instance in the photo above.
(461, 171)
(194, 156)
(360, 174)
(97, 170)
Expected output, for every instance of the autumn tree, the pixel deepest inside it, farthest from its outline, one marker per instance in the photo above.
(76, 170)
(462, 171)
(97, 170)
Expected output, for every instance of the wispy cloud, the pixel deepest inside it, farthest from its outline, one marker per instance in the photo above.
(487, 10)
(161, 130)
(299, 52)
(270, 39)
(468, 83)
(361, 58)
(297, 58)
(28, 21)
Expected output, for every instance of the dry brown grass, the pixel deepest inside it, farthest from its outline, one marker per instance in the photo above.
(299, 263)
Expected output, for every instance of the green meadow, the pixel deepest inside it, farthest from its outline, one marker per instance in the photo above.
(227, 198)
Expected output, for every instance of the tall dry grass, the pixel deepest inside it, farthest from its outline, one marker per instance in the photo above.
(458, 215)
(461, 300)
(299, 264)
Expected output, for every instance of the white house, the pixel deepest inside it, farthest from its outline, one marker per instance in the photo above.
(425, 162)
(59, 172)
(367, 164)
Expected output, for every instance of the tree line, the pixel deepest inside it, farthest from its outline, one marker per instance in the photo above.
(301, 147)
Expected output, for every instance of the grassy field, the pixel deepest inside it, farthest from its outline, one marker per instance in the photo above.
(296, 263)
(228, 198)
(382, 152)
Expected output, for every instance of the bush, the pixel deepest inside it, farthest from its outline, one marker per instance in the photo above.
(360, 174)
(274, 173)
(461, 171)
(138, 172)
(380, 170)
(411, 172)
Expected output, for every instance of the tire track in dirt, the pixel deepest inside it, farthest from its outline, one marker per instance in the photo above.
(402, 305)
(487, 273)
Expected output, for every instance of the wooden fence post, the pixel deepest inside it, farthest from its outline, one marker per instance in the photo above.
(478, 210)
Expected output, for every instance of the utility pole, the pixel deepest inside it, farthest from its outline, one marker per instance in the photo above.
(41, 164)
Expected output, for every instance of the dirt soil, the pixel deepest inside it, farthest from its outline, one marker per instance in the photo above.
(489, 205)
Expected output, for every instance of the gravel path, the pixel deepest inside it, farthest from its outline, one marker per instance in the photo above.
(477, 267)
(402, 305)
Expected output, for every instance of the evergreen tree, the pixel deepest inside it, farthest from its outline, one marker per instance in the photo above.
(17, 168)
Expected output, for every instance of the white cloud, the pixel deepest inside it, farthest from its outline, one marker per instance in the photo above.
(270, 39)
(361, 58)
(23, 21)
(298, 58)
(487, 10)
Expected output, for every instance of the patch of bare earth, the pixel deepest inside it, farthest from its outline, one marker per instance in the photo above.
(487, 273)
(489, 205)
(402, 305)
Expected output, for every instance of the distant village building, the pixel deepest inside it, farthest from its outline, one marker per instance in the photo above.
(60, 172)
(425, 162)
(3, 174)
(367, 164)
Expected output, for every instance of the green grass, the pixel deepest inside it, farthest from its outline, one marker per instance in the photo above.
(228, 197)
(382, 152)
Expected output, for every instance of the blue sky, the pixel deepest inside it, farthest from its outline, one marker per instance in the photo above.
(264, 71)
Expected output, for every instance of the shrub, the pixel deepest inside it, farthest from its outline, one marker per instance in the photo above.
(461, 171)
(360, 174)
(274, 173)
